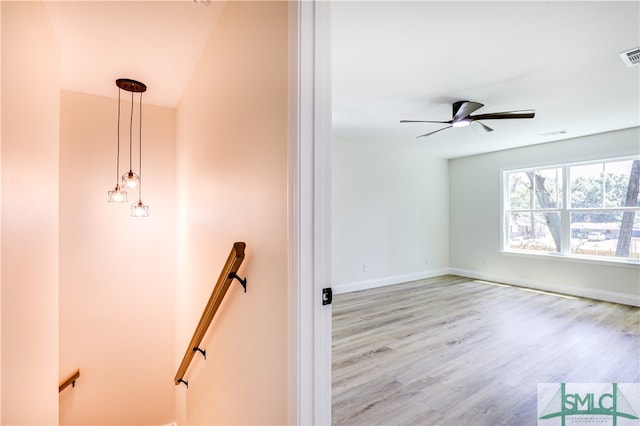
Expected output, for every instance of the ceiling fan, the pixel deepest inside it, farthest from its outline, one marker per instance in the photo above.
(462, 117)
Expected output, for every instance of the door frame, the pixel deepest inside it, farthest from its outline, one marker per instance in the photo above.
(309, 164)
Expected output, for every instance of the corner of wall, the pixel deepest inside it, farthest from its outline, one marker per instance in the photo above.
(29, 217)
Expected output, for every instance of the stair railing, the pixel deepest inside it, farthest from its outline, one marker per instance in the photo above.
(228, 274)
(71, 380)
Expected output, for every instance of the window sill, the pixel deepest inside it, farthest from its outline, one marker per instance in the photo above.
(634, 264)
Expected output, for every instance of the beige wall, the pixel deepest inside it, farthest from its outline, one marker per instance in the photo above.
(30, 128)
(72, 294)
(0, 215)
(232, 186)
(117, 273)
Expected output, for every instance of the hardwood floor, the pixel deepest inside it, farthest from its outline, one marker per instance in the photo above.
(454, 351)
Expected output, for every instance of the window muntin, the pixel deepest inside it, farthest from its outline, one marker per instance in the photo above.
(535, 189)
(600, 185)
(595, 220)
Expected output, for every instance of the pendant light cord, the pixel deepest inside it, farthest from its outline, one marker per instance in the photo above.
(118, 155)
(131, 133)
(140, 153)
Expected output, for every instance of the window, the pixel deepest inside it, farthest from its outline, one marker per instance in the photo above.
(582, 210)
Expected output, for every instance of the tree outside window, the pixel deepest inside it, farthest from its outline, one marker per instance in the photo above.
(587, 210)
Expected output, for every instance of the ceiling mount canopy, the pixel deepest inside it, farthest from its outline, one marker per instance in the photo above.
(131, 85)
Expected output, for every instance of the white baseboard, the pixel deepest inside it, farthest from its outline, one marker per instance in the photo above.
(597, 294)
(381, 282)
(607, 296)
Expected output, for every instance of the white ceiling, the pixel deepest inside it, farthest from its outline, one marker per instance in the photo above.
(156, 42)
(395, 60)
(411, 60)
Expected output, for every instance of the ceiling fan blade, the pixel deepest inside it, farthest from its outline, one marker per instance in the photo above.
(462, 109)
(506, 114)
(430, 133)
(423, 121)
(480, 127)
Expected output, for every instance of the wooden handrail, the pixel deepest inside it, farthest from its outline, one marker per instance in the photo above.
(71, 380)
(236, 256)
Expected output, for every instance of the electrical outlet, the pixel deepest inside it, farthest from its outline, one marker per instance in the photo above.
(365, 267)
(426, 260)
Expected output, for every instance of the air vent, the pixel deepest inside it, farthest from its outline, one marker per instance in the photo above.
(554, 133)
(632, 57)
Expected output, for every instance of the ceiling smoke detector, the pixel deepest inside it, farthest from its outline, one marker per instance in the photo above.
(631, 57)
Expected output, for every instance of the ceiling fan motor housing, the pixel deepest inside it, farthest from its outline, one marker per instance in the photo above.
(456, 107)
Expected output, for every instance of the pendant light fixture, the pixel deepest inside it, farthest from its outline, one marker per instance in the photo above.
(130, 180)
(118, 195)
(139, 209)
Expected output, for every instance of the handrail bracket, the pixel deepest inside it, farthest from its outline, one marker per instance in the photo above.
(202, 351)
(243, 282)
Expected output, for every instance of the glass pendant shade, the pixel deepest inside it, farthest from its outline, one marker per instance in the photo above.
(139, 209)
(117, 195)
(130, 180)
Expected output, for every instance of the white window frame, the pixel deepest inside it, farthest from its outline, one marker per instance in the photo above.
(564, 210)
